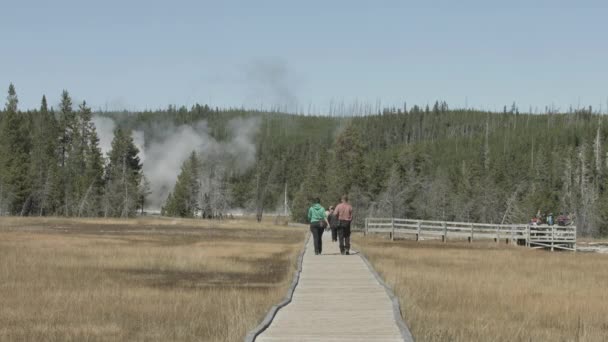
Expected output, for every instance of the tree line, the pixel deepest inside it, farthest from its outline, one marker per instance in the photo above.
(51, 164)
(427, 163)
(430, 162)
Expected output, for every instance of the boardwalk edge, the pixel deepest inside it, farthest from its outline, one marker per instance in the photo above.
(253, 334)
(405, 331)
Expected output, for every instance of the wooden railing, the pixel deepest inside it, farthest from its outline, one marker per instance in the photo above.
(543, 236)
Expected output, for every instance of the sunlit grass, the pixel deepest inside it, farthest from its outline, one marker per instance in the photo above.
(487, 292)
(136, 280)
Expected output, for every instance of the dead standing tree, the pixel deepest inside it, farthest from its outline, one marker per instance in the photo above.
(265, 184)
(392, 199)
(214, 196)
(512, 211)
(267, 169)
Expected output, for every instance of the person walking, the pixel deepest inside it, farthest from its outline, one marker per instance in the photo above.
(344, 211)
(318, 222)
(332, 218)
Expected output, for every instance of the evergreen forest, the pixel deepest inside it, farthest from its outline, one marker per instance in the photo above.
(429, 162)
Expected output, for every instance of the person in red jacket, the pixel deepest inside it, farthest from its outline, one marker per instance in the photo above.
(344, 212)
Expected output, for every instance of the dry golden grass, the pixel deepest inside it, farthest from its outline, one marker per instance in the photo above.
(140, 280)
(484, 292)
(592, 240)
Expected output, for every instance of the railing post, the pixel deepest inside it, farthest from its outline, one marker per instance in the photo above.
(365, 228)
(418, 231)
(552, 238)
(528, 236)
(471, 237)
(497, 234)
(574, 244)
(445, 231)
(392, 229)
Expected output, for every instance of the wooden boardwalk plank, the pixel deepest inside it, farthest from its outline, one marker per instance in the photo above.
(337, 299)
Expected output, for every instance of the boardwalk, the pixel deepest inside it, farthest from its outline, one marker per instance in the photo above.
(337, 299)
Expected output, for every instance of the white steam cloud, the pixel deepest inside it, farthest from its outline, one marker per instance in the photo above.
(140, 142)
(163, 156)
(105, 130)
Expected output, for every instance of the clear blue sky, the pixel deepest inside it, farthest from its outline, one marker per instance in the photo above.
(148, 54)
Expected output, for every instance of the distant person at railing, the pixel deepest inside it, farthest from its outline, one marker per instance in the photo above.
(543, 218)
(565, 219)
(539, 218)
(318, 223)
(332, 218)
(344, 211)
(550, 219)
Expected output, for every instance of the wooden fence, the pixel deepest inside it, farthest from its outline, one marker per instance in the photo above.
(543, 236)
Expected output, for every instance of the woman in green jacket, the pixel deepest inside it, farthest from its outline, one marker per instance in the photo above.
(318, 223)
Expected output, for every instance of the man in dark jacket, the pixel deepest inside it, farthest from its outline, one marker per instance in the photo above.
(332, 218)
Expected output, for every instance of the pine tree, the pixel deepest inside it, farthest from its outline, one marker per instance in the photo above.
(349, 152)
(67, 129)
(193, 185)
(93, 168)
(145, 190)
(15, 145)
(214, 194)
(184, 200)
(11, 100)
(123, 177)
(43, 168)
(312, 186)
(392, 199)
(266, 176)
(67, 122)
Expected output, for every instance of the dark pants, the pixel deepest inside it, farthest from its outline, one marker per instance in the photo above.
(344, 236)
(334, 233)
(317, 234)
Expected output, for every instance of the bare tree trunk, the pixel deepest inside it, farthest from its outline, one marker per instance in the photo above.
(202, 197)
(566, 198)
(588, 197)
(598, 148)
(25, 209)
(285, 201)
(259, 209)
(532, 158)
(84, 200)
(106, 206)
(510, 204)
(45, 193)
(125, 211)
(486, 151)
(65, 203)
(1, 199)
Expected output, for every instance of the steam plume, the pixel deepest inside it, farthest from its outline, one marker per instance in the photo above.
(164, 147)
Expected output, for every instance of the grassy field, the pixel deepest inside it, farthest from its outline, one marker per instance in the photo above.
(140, 280)
(484, 292)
